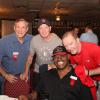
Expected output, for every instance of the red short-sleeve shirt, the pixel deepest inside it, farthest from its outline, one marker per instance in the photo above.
(88, 57)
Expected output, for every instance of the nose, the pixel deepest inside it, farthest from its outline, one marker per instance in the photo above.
(59, 58)
(68, 47)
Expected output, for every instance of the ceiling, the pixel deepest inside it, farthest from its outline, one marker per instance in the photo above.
(34, 9)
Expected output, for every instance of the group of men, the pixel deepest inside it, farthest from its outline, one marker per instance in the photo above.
(63, 81)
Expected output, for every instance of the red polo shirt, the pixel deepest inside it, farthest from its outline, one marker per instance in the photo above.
(89, 57)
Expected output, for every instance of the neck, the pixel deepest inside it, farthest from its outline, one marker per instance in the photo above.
(89, 30)
(21, 40)
(49, 37)
(63, 72)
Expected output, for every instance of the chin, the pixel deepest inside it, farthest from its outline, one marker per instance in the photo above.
(61, 68)
(43, 36)
(20, 35)
(74, 52)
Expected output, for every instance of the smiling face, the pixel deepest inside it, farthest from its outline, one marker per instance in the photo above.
(71, 44)
(44, 30)
(61, 61)
(21, 28)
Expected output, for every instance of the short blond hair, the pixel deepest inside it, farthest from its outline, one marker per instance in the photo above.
(69, 33)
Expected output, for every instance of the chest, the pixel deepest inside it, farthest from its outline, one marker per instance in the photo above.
(64, 85)
(16, 49)
(86, 60)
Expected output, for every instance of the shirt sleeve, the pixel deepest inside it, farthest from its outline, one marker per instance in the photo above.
(2, 52)
(32, 47)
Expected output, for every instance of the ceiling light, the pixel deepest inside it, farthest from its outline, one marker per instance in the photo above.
(57, 18)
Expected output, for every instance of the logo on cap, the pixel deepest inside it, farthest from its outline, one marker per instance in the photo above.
(43, 21)
(59, 50)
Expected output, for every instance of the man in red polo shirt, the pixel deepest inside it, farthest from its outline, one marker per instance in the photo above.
(83, 53)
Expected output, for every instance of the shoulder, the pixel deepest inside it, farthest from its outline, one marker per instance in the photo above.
(7, 38)
(57, 38)
(90, 48)
(49, 73)
(83, 35)
(36, 37)
(55, 35)
(29, 35)
(35, 40)
(89, 44)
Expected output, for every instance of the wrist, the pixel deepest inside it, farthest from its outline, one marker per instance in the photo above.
(88, 72)
(91, 72)
(5, 75)
(25, 73)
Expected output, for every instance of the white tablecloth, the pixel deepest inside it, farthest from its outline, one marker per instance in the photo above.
(4, 97)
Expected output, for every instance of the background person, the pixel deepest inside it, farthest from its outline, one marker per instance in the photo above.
(89, 36)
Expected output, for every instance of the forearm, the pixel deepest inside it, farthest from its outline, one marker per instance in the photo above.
(94, 71)
(27, 66)
(28, 63)
(2, 72)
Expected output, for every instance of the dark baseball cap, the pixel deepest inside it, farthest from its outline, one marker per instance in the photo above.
(59, 50)
(43, 21)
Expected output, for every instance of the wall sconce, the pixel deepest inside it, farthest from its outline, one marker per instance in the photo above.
(57, 18)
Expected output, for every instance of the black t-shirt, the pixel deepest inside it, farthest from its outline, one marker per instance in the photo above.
(51, 86)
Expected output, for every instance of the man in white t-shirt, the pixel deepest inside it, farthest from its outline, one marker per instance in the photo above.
(42, 44)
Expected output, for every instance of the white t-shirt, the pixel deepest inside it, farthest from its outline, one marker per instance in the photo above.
(43, 49)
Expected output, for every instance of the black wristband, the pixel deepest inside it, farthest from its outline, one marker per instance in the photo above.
(88, 72)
